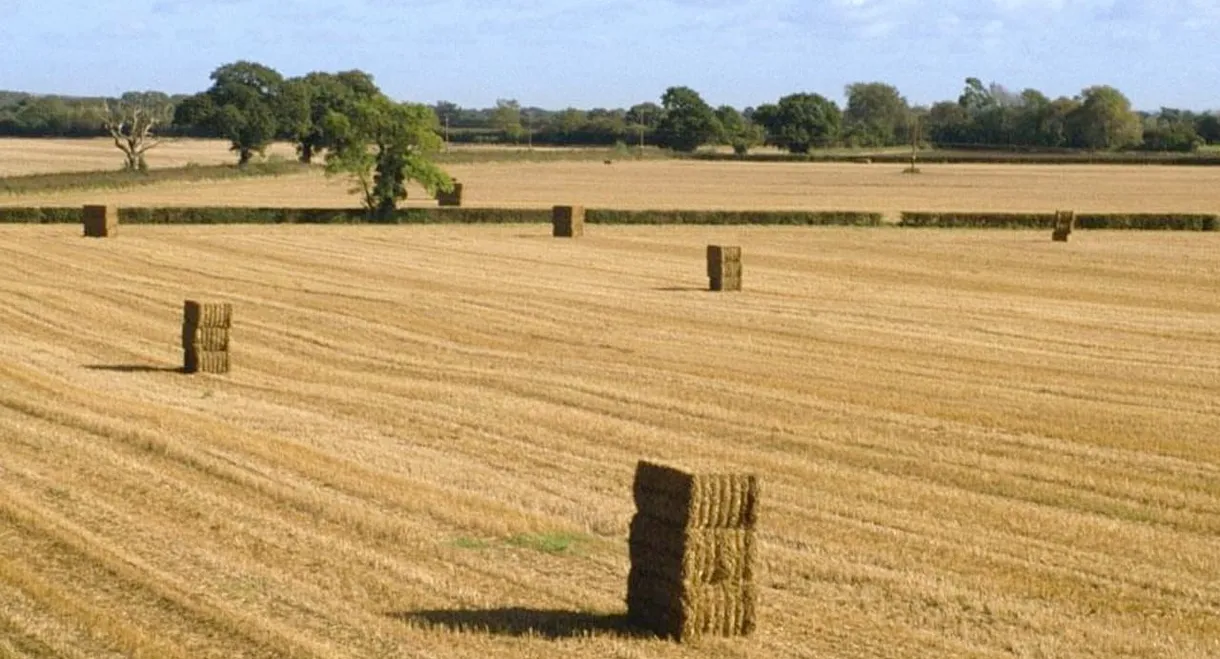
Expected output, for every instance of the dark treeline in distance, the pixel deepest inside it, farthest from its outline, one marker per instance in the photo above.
(875, 115)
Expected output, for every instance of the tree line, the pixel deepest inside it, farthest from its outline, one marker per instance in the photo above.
(875, 114)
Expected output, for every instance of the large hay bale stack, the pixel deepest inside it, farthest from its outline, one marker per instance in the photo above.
(1064, 222)
(693, 551)
(100, 221)
(453, 198)
(568, 221)
(205, 336)
(723, 268)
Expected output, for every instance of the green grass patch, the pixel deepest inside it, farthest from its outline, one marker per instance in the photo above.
(464, 542)
(118, 179)
(548, 543)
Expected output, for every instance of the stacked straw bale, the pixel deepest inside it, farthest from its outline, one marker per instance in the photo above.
(568, 221)
(100, 221)
(1064, 221)
(450, 198)
(205, 336)
(724, 268)
(693, 551)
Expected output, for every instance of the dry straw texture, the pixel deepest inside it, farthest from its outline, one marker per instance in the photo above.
(568, 221)
(100, 221)
(693, 611)
(724, 268)
(207, 314)
(1001, 449)
(205, 338)
(697, 555)
(205, 361)
(696, 500)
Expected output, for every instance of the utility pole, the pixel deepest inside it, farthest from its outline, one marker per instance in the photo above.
(446, 132)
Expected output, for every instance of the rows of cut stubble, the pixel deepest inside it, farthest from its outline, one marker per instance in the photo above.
(974, 444)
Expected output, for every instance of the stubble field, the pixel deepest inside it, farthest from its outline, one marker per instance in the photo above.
(973, 444)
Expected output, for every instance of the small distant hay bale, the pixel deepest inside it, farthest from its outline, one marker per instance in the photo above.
(568, 221)
(100, 221)
(724, 268)
(1065, 221)
(205, 336)
(453, 198)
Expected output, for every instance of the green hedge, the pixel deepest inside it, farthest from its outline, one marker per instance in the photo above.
(448, 215)
(40, 215)
(972, 158)
(1148, 221)
(239, 215)
(1139, 221)
(803, 218)
(979, 220)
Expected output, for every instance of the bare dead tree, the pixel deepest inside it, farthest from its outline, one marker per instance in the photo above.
(131, 120)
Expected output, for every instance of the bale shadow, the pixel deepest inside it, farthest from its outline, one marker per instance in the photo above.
(682, 289)
(516, 621)
(135, 368)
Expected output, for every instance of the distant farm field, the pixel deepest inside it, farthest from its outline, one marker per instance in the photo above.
(668, 184)
(972, 443)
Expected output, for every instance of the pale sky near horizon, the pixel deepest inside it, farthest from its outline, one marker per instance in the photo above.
(615, 53)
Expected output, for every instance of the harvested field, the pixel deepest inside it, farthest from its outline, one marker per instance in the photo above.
(972, 444)
(20, 156)
(727, 185)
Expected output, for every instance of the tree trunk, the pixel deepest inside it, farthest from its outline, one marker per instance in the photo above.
(243, 157)
(306, 153)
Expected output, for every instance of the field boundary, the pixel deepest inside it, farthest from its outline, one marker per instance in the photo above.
(119, 179)
(202, 215)
(968, 158)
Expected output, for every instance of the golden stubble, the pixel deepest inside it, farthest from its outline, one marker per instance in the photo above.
(971, 443)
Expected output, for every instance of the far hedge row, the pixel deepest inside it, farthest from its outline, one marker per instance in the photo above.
(450, 215)
(1142, 221)
(973, 158)
(447, 215)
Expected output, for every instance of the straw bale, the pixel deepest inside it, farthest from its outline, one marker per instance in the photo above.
(691, 555)
(696, 500)
(100, 221)
(205, 338)
(450, 198)
(685, 612)
(207, 314)
(568, 221)
(205, 361)
(718, 255)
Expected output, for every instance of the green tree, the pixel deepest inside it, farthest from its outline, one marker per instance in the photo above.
(1104, 120)
(383, 145)
(737, 131)
(876, 114)
(642, 118)
(687, 121)
(306, 102)
(242, 105)
(506, 118)
(1208, 128)
(800, 122)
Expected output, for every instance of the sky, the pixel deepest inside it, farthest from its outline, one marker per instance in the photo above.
(615, 53)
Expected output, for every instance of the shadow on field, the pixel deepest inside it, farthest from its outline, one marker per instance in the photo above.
(682, 289)
(134, 368)
(549, 624)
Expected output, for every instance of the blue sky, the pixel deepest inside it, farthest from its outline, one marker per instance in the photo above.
(614, 53)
